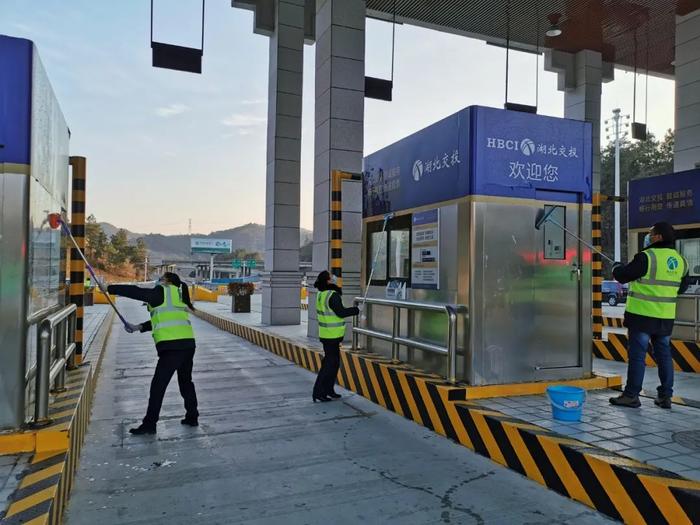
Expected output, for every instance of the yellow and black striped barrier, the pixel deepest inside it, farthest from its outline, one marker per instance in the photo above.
(77, 266)
(304, 306)
(45, 485)
(686, 354)
(597, 267)
(613, 322)
(622, 488)
(337, 178)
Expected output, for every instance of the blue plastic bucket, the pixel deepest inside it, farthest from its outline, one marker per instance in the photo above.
(567, 402)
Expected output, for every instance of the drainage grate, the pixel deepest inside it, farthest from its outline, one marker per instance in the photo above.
(688, 438)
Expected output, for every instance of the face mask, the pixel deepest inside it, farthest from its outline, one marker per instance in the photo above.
(647, 240)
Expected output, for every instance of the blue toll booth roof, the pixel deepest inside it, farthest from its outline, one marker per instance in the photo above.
(480, 151)
(673, 198)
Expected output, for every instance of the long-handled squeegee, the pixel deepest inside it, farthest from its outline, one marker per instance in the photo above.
(387, 218)
(55, 220)
(543, 217)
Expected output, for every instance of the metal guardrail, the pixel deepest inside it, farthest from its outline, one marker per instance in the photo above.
(450, 349)
(55, 351)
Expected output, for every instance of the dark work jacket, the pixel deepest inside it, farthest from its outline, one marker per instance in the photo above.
(154, 297)
(336, 304)
(637, 269)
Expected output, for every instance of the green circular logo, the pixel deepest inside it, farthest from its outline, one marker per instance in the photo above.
(672, 263)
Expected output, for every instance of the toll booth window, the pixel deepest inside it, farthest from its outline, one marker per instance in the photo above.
(378, 243)
(690, 249)
(392, 247)
(399, 256)
(554, 236)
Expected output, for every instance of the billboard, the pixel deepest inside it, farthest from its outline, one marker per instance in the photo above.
(210, 245)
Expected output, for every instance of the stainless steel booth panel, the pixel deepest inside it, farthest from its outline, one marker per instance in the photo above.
(530, 316)
(429, 326)
(14, 205)
(686, 318)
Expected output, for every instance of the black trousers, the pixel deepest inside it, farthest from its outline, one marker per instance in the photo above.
(329, 367)
(170, 361)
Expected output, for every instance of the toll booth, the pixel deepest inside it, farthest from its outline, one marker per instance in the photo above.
(672, 198)
(34, 174)
(463, 195)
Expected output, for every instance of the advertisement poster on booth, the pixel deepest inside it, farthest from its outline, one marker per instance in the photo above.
(425, 260)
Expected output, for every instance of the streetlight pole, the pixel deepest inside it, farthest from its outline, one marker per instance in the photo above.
(617, 135)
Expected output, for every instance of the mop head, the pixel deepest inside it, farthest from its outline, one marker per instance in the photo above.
(55, 220)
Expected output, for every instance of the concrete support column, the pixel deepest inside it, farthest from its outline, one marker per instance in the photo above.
(339, 137)
(282, 279)
(687, 146)
(580, 77)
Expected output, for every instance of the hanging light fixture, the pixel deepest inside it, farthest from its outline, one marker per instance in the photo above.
(554, 29)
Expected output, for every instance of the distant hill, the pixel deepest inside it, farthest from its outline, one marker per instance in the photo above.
(249, 237)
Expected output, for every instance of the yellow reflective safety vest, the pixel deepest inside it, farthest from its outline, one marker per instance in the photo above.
(330, 326)
(170, 321)
(654, 295)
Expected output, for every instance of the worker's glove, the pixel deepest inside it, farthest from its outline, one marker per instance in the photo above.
(131, 328)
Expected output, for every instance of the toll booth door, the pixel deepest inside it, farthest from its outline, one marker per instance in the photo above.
(557, 285)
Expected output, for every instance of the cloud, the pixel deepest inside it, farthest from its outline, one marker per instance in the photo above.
(240, 120)
(171, 110)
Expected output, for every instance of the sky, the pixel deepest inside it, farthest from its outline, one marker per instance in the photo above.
(164, 147)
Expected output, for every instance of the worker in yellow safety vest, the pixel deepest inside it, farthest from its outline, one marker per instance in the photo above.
(331, 332)
(168, 305)
(658, 274)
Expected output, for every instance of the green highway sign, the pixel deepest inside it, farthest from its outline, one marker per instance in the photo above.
(236, 263)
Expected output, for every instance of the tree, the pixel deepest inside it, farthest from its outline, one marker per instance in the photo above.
(638, 159)
(120, 248)
(96, 243)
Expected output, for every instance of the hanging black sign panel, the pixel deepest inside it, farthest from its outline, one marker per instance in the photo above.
(178, 58)
(378, 88)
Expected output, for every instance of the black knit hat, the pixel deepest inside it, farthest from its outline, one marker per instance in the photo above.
(666, 231)
(322, 280)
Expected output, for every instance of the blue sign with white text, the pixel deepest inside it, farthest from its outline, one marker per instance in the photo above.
(515, 154)
(481, 151)
(15, 99)
(427, 167)
(673, 198)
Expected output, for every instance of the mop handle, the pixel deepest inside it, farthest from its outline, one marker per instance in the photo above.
(549, 219)
(376, 256)
(92, 272)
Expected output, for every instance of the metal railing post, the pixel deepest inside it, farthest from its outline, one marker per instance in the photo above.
(41, 391)
(355, 324)
(73, 324)
(697, 319)
(61, 345)
(395, 332)
(451, 344)
(410, 331)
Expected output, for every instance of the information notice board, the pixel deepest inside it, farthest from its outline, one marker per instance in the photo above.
(425, 260)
